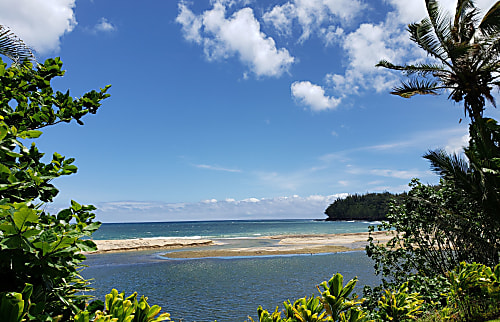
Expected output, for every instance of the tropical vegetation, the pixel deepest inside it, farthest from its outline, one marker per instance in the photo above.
(370, 206)
(41, 254)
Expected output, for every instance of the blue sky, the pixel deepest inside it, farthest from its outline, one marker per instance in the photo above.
(236, 109)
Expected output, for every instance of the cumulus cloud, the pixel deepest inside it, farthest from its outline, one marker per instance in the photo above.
(293, 207)
(364, 48)
(312, 15)
(239, 35)
(104, 25)
(39, 23)
(313, 96)
(389, 40)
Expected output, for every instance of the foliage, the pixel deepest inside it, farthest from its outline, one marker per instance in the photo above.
(334, 304)
(474, 291)
(400, 305)
(465, 53)
(436, 228)
(305, 310)
(124, 309)
(14, 307)
(479, 175)
(45, 251)
(336, 296)
(27, 104)
(469, 292)
(371, 206)
(36, 247)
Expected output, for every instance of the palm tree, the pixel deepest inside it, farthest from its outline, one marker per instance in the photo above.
(467, 55)
(13, 47)
(466, 64)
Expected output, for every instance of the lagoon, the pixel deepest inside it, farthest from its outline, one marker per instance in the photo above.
(225, 289)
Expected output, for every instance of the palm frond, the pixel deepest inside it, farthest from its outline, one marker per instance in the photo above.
(440, 23)
(423, 35)
(419, 69)
(490, 25)
(449, 165)
(416, 86)
(13, 47)
(465, 21)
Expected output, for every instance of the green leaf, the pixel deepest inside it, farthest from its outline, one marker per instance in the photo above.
(75, 205)
(8, 229)
(31, 232)
(31, 134)
(24, 215)
(4, 130)
(86, 245)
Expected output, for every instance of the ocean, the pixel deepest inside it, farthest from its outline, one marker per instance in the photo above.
(224, 289)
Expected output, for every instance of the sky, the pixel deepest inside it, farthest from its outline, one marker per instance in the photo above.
(236, 109)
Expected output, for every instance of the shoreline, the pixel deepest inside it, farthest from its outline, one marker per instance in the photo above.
(284, 245)
(137, 244)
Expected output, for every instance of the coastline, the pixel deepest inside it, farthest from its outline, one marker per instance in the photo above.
(285, 245)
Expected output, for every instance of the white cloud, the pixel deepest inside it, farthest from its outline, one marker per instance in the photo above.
(389, 40)
(238, 35)
(312, 15)
(191, 24)
(104, 25)
(399, 174)
(313, 96)
(292, 207)
(452, 139)
(364, 48)
(216, 168)
(281, 18)
(39, 23)
(456, 144)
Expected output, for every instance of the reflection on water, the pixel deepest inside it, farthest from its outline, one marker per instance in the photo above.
(222, 289)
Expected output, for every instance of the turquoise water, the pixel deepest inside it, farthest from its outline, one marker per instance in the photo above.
(223, 289)
(228, 229)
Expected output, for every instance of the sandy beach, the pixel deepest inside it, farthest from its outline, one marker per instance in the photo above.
(121, 245)
(285, 245)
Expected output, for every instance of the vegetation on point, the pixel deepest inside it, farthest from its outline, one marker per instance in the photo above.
(370, 206)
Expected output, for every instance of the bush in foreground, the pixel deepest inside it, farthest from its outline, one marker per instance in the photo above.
(472, 293)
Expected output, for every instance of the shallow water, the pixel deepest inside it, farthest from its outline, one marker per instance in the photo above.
(222, 289)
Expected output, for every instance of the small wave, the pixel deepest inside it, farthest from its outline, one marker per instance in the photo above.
(372, 222)
(172, 237)
(241, 237)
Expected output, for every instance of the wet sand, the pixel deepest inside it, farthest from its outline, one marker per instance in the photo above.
(285, 245)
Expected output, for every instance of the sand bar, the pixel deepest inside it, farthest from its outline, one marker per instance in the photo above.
(120, 245)
(285, 245)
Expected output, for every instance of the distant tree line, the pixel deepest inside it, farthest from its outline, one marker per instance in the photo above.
(370, 206)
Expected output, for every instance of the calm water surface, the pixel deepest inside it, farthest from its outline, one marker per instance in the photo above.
(223, 289)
